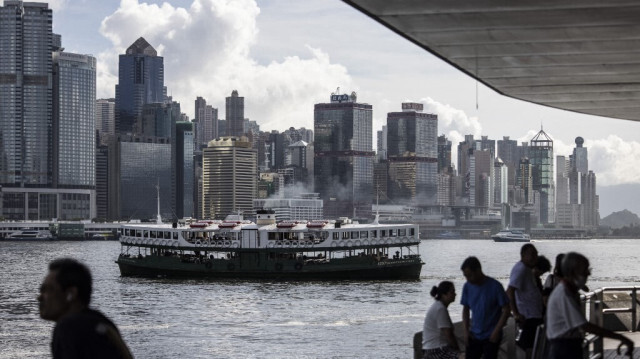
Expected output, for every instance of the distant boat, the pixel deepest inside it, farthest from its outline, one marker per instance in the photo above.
(449, 235)
(511, 235)
(30, 235)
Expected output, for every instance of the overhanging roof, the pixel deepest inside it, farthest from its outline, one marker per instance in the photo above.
(576, 55)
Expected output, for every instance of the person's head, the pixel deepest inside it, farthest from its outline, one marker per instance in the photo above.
(575, 268)
(66, 287)
(472, 270)
(529, 255)
(444, 292)
(557, 270)
(542, 266)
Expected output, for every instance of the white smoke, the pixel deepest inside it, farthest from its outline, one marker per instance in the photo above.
(206, 49)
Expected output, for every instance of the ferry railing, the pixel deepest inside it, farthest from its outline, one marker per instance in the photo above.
(595, 308)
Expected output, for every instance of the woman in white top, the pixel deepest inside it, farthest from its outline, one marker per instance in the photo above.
(438, 341)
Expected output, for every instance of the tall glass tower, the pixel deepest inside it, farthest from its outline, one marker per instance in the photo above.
(140, 81)
(541, 157)
(343, 164)
(235, 114)
(26, 111)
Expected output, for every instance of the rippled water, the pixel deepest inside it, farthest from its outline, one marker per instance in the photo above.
(162, 318)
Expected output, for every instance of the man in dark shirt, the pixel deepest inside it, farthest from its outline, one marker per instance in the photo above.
(80, 332)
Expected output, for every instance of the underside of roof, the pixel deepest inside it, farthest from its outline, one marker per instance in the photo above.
(576, 55)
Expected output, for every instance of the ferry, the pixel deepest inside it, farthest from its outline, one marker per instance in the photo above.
(288, 250)
(511, 235)
(30, 235)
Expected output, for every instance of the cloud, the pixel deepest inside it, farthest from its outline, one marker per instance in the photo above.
(614, 160)
(206, 49)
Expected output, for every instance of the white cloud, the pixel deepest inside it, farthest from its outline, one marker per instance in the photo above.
(206, 50)
(614, 160)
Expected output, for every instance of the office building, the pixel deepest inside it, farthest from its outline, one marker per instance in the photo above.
(229, 177)
(158, 119)
(183, 162)
(140, 81)
(344, 156)
(106, 116)
(541, 157)
(444, 155)
(234, 106)
(305, 207)
(206, 123)
(412, 152)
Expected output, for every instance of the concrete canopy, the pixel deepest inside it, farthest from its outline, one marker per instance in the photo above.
(576, 55)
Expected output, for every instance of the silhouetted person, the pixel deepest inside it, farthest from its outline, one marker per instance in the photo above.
(565, 321)
(553, 279)
(438, 341)
(80, 332)
(542, 266)
(484, 313)
(525, 297)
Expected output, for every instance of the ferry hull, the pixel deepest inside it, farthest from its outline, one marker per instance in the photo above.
(405, 269)
(502, 239)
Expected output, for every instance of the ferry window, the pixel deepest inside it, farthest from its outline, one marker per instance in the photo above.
(272, 236)
(374, 234)
(393, 233)
(384, 233)
(145, 234)
(175, 235)
(152, 234)
(126, 232)
(364, 234)
(324, 235)
(354, 235)
(412, 231)
(345, 235)
(336, 235)
(167, 235)
(402, 232)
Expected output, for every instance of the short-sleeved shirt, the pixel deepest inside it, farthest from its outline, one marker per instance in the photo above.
(528, 295)
(436, 319)
(564, 317)
(485, 301)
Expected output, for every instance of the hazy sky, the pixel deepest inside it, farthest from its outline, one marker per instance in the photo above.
(285, 56)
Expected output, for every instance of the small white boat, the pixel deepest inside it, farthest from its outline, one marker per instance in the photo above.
(30, 235)
(511, 235)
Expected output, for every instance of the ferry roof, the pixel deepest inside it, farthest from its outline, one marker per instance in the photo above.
(576, 55)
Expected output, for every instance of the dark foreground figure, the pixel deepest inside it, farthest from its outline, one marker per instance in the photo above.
(80, 332)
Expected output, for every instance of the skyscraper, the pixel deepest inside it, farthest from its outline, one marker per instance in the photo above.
(412, 152)
(235, 115)
(183, 169)
(140, 81)
(74, 85)
(541, 156)
(206, 123)
(26, 94)
(106, 116)
(344, 156)
(229, 177)
(444, 154)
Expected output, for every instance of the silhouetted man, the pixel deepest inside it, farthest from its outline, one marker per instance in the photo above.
(80, 331)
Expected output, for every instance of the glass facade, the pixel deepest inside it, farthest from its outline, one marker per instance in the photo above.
(74, 124)
(541, 157)
(142, 166)
(140, 81)
(26, 112)
(235, 115)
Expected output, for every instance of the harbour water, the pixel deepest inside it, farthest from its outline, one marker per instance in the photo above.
(161, 318)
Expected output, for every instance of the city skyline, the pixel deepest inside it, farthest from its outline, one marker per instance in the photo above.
(281, 80)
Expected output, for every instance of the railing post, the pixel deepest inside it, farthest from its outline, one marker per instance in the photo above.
(634, 301)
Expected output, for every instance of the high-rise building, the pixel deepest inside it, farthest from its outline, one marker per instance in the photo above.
(541, 157)
(229, 177)
(183, 169)
(235, 115)
(26, 94)
(579, 160)
(74, 89)
(106, 116)
(501, 185)
(525, 180)
(206, 123)
(444, 155)
(344, 156)
(158, 119)
(382, 143)
(412, 152)
(140, 81)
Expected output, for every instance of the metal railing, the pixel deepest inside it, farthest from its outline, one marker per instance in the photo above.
(595, 308)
